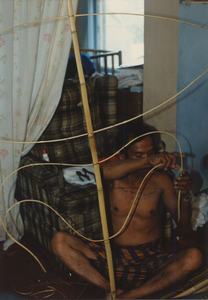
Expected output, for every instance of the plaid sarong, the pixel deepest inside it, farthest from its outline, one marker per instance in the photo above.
(134, 264)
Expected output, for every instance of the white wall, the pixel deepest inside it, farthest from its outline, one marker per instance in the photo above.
(161, 65)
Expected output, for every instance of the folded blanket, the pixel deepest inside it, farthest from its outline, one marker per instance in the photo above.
(130, 77)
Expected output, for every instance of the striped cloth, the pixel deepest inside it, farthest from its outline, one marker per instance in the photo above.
(134, 265)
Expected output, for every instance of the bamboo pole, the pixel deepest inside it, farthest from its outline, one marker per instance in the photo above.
(93, 149)
(194, 289)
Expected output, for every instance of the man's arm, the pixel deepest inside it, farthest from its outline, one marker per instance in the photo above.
(170, 200)
(184, 183)
(120, 168)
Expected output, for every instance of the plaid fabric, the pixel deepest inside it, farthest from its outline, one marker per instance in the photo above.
(36, 223)
(69, 121)
(134, 264)
(41, 174)
(105, 89)
(38, 183)
(78, 205)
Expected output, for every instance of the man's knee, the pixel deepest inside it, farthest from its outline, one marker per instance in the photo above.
(58, 241)
(193, 259)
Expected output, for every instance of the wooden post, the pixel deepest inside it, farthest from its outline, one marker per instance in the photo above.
(93, 149)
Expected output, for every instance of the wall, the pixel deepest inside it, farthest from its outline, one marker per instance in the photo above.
(176, 54)
(160, 66)
(192, 105)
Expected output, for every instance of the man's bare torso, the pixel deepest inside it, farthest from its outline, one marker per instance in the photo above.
(143, 227)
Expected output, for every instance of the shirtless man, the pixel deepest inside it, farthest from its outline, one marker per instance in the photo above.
(139, 243)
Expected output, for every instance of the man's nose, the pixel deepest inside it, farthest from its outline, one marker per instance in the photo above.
(144, 155)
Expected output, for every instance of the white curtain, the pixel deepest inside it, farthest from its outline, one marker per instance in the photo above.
(33, 61)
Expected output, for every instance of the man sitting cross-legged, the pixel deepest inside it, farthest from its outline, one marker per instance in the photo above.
(142, 266)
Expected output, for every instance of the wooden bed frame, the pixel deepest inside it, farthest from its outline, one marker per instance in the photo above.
(102, 55)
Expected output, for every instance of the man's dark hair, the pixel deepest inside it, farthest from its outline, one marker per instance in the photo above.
(130, 131)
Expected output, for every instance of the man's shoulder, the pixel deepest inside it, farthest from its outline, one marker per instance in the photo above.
(162, 176)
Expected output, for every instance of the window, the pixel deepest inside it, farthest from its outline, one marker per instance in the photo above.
(114, 32)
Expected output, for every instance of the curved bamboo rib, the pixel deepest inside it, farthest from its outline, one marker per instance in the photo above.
(115, 125)
(75, 165)
(45, 204)
(130, 214)
(90, 129)
(134, 204)
(96, 14)
(38, 164)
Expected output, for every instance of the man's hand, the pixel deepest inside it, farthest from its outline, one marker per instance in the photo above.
(166, 160)
(183, 183)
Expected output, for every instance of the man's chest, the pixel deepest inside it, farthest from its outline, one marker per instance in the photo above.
(146, 198)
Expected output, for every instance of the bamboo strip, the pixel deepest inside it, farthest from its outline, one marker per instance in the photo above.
(102, 161)
(202, 290)
(193, 289)
(42, 203)
(115, 125)
(93, 150)
(134, 204)
(14, 240)
(114, 13)
(91, 137)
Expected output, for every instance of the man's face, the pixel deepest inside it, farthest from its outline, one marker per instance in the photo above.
(144, 148)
